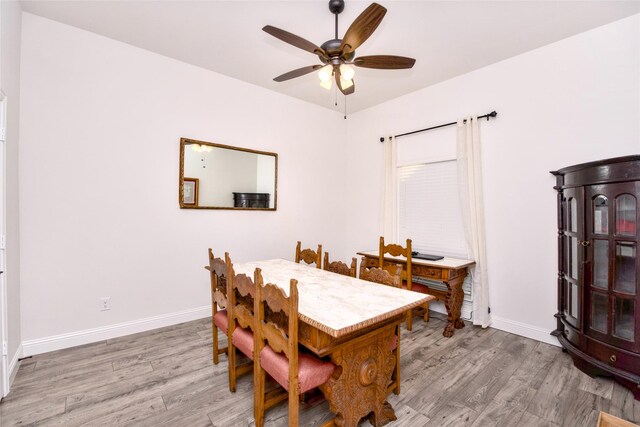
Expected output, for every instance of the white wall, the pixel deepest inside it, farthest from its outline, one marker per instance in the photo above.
(10, 14)
(100, 130)
(574, 101)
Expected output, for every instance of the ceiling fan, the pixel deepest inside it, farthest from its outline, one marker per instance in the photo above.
(337, 55)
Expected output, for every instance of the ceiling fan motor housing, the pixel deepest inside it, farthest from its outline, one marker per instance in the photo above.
(332, 47)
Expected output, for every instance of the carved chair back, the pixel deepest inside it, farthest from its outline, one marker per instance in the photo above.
(308, 255)
(397, 250)
(407, 275)
(276, 326)
(277, 319)
(241, 296)
(218, 275)
(390, 275)
(339, 266)
(218, 269)
(241, 299)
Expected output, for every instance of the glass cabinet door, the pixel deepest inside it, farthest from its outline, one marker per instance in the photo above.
(625, 279)
(572, 256)
(611, 281)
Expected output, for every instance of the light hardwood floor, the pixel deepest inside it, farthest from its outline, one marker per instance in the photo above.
(166, 377)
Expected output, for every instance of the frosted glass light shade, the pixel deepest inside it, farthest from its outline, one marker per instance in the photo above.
(347, 71)
(326, 84)
(325, 73)
(346, 84)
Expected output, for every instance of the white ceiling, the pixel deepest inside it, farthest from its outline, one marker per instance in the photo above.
(447, 38)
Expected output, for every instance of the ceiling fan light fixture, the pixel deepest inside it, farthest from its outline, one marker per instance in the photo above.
(347, 72)
(326, 84)
(346, 84)
(337, 55)
(325, 73)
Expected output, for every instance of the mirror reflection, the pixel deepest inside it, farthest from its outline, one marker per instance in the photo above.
(215, 176)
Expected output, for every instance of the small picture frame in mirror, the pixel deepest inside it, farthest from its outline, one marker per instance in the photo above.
(190, 191)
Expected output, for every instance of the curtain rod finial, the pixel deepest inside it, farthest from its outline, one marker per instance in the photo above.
(382, 139)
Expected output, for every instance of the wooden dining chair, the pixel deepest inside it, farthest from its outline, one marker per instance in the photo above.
(397, 250)
(339, 266)
(309, 256)
(390, 275)
(277, 354)
(241, 295)
(219, 319)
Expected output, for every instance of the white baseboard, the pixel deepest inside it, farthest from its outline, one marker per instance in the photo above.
(523, 329)
(87, 336)
(14, 364)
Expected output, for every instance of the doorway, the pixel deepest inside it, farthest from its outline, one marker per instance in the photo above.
(4, 363)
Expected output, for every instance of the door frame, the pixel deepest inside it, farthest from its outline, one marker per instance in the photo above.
(4, 362)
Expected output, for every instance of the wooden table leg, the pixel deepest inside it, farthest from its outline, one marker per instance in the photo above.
(358, 387)
(453, 303)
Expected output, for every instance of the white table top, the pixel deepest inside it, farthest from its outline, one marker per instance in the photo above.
(446, 262)
(334, 303)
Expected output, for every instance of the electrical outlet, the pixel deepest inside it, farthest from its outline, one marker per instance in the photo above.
(105, 303)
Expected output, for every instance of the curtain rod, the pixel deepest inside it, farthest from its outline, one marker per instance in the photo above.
(487, 116)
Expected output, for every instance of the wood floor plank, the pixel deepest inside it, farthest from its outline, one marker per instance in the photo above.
(480, 391)
(408, 417)
(598, 386)
(582, 408)
(507, 406)
(452, 414)
(623, 405)
(560, 382)
(31, 414)
(530, 420)
(451, 379)
(479, 377)
(534, 368)
(130, 415)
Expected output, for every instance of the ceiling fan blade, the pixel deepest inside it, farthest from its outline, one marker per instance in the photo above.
(364, 25)
(384, 62)
(297, 73)
(345, 91)
(294, 40)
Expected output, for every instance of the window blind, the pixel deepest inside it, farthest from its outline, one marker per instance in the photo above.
(429, 209)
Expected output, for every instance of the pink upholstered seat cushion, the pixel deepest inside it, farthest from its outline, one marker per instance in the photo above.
(417, 287)
(312, 371)
(243, 340)
(221, 320)
(394, 343)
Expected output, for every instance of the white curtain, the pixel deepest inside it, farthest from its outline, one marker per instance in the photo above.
(472, 205)
(390, 196)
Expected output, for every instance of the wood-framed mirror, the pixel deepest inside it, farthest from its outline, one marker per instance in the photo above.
(217, 176)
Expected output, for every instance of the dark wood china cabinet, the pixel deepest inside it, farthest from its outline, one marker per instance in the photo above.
(598, 282)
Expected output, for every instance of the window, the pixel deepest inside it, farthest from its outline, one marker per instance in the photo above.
(429, 209)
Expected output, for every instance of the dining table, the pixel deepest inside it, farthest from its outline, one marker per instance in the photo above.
(351, 321)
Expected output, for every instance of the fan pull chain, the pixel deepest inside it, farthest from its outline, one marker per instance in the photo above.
(345, 107)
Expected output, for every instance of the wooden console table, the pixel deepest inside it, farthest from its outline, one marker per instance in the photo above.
(449, 271)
